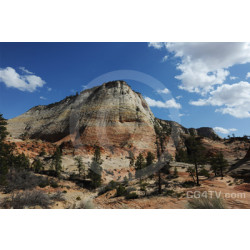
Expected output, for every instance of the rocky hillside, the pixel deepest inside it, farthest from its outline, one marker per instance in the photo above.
(242, 168)
(111, 115)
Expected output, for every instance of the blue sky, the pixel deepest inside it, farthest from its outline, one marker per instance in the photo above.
(202, 84)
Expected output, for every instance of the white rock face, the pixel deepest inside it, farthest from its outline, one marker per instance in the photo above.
(112, 116)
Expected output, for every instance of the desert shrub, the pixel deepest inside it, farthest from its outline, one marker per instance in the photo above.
(42, 153)
(121, 191)
(131, 195)
(78, 198)
(30, 199)
(5, 203)
(111, 185)
(170, 192)
(176, 174)
(204, 172)
(206, 203)
(64, 191)
(86, 204)
(44, 183)
(130, 189)
(58, 196)
(188, 184)
(54, 184)
(23, 179)
(143, 187)
(37, 165)
(125, 180)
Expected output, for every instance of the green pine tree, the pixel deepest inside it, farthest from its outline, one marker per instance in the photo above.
(218, 164)
(79, 164)
(5, 151)
(139, 166)
(195, 154)
(57, 161)
(37, 165)
(95, 170)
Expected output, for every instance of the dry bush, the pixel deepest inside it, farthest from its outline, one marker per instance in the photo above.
(206, 203)
(58, 196)
(21, 180)
(30, 199)
(87, 203)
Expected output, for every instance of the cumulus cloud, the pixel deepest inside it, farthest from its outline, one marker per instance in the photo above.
(248, 75)
(204, 65)
(24, 82)
(233, 99)
(164, 59)
(49, 89)
(43, 98)
(159, 104)
(163, 91)
(156, 45)
(23, 69)
(233, 77)
(178, 97)
(224, 130)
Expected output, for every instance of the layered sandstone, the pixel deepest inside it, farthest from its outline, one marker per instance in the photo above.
(112, 116)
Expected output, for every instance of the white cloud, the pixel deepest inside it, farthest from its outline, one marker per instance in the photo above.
(178, 97)
(164, 59)
(156, 45)
(233, 99)
(233, 77)
(24, 82)
(25, 70)
(43, 98)
(163, 91)
(49, 89)
(159, 104)
(204, 65)
(84, 87)
(248, 75)
(224, 130)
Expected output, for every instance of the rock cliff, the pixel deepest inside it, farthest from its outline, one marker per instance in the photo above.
(112, 116)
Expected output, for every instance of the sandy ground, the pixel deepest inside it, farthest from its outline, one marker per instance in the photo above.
(234, 196)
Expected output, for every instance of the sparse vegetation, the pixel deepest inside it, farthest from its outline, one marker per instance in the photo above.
(188, 184)
(204, 172)
(54, 184)
(143, 187)
(87, 204)
(206, 203)
(181, 155)
(176, 174)
(80, 165)
(42, 153)
(37, 165)
(131, 195)
(23, 180)
(218, 164)
(95, 170)
(121, 190)
(57, 161)
(58, 196)
(139, 166)
(196, 155)
(29, 199)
